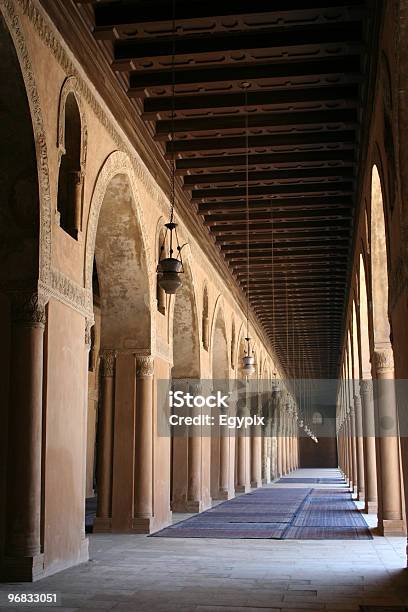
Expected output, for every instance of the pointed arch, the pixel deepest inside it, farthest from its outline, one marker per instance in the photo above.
(219, 342)
(379, 263)
(185, 326)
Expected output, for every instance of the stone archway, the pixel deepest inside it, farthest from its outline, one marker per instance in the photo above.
(186, 443)
(366, 389)
(222, 439)
(117, 255)
(23, 317)
(387, 441)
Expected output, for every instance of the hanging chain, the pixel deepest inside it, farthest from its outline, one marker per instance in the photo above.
(247, 201)
(173, 112)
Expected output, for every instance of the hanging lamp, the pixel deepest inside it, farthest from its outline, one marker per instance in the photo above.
(248, 360)
(171, 266)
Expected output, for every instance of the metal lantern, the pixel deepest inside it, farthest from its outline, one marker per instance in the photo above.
(170, 268)
(248, 360)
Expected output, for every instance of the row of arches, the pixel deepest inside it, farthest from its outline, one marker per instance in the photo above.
(79, 301)
(368, 420)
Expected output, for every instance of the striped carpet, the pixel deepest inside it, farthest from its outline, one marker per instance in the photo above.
(277, 513)
(311, 481)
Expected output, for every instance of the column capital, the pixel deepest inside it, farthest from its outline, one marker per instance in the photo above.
(365, 385)
(144, 366)
(383, 360)
(28, 307)
(108, 359)
(89, 323)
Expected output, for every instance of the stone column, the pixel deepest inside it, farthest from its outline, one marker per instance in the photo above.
(267, 451)
(242, 438)
(279, 440)
(349, 461)
(224, 491)
(353, 447)
(103, 521)
(370, 461)
(256, 446)
(285, 444)
(143, 506)
(359, 444)
(194, 492)
(24, 558)
(389, 485)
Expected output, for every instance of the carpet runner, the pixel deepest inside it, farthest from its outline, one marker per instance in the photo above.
(310, 481)
(277, 513)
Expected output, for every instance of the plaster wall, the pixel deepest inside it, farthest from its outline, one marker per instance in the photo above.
(64, 439)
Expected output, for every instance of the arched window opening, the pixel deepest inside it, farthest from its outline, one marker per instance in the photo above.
(70, 179)
(160, 293)
(205, 321)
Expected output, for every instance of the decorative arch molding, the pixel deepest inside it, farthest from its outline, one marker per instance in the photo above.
(240, 337)
(218, 310)
(116, 163)
(70, 86)
(16, 32)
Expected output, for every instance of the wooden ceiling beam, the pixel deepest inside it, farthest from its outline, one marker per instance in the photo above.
(342, 94)
(269, 141)
(276, 216)
(122, 13)
(281, 204)
(266, 176)
(345, 118)
(197, 46)
(270, 190)
(142, 80)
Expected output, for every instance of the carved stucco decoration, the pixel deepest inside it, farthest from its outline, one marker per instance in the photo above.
(13, 23)
(108, 359)
(28, 307)
(144, 366)
(54, 42)
(117, 163)
(383, 360)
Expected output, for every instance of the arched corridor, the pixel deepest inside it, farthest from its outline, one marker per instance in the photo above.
(204, 304)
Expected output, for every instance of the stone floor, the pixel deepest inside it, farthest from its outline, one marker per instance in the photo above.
(138, 574)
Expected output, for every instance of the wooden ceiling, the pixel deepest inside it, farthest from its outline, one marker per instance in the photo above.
(309, 67)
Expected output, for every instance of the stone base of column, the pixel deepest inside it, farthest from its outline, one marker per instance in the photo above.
(189, 505)
(392, 528)
(142, 524)
(266, 480)
(360, 495)
(256, 484)
(224, 494)
(370, 507)
(22, 569)
(242, 489)
(102, 525)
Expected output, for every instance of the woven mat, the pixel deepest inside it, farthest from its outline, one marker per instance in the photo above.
(277, 513)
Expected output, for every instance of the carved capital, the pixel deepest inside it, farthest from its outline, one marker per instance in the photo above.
(365, 386)
(144, 366)
(28, 307)
(383, 360)
(108, 359)
(88, 335)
